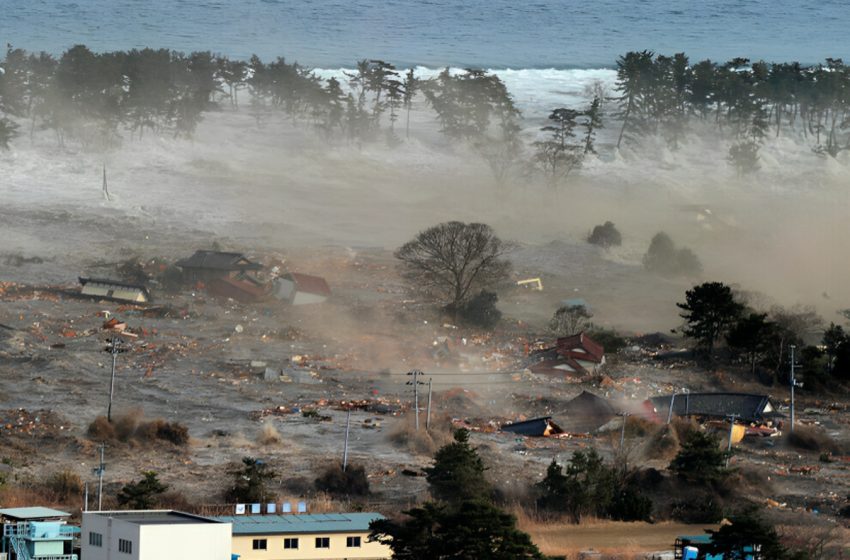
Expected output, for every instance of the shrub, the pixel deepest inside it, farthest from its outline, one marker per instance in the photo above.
(131, 428)
(481, 310)
(605, 235)
(66, 485)
(610, 340)
(250, 481)
(701, 508)
(349, 482)
(663, 257)
(630, 505)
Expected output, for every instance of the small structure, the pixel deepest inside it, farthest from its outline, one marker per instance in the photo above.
(35, 533)
(577, 354)
(329, 536)
(693, 548)
(536, 427)
(114, 290)
(205, 266)
(746, 407)
(154, 535)
(300, 289)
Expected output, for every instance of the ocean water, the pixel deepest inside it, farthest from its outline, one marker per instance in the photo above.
(516, 34)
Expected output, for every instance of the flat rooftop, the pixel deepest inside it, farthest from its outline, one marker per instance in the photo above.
(155, 517)
(28, 513)
(300, 523)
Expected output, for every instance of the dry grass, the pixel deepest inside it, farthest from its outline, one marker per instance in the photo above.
(132, 428)
(664, 441)
(422, 442)
(615, 539)
(268, 435)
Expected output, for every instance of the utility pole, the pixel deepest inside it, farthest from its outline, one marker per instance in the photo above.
(415, 373)
(794, 385)
(86, 499)
(105, 186)
(623, 430)
(731, 418)
(428, 416)
(345, 449)
(114, 348)
(99, 472)
(670, 412)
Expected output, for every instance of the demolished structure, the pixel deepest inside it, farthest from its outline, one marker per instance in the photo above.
(587, 412)
(300, 289)
(113, 290)
(535, 427)
(205, 266)
(577, 354)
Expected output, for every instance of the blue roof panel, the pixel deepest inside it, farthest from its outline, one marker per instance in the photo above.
(300, 523)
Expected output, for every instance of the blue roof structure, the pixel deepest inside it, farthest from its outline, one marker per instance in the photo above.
(300, 523)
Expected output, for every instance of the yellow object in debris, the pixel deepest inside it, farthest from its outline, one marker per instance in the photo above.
(532, 283)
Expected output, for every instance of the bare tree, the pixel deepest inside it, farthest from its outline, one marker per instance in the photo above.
(453, 261)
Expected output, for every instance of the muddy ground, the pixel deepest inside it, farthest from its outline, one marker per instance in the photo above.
(203, 367)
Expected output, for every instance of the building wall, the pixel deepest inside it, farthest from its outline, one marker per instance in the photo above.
(201, 541)
(243, 546)
(47, 548)
(112, 530)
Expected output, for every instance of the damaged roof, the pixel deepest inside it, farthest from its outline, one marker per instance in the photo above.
(218, 260)
(242, 289)
(536, 427)
(580, 346)
(309, 284)
(587, 412)
(746, 406)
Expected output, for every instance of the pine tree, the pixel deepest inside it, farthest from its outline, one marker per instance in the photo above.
(142, 494)
(710, 310)
(700, 459)
(458, 472)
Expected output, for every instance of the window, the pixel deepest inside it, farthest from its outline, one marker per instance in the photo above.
(352, 542)
(125, 546)
(323, 542)
(260, 544)
(290, 544)
(95, 539)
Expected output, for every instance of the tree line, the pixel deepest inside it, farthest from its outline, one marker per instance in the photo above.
(96, 99)
(746, 101)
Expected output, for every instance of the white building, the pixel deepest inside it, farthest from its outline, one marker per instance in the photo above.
(154, 535)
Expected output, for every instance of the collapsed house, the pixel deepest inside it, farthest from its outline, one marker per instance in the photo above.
(577, 354)
(746, 407)
(244, 289)
(587, 413)
(229, 275)
(301, 289)
(113, 290)
(205, 266)
(535, 427)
